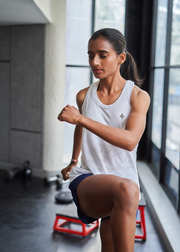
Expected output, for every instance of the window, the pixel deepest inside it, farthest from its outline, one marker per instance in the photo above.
(75, 81)
(81, 21)
(161, 33)
(158, 106)
(173, 118)
(110, 14)
(78, 32)
(157, 117)
(158, 72)
(165, 70)
(175, 35)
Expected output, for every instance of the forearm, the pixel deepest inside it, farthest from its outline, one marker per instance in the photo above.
(77, 142)
(118, 137)
(76, 150)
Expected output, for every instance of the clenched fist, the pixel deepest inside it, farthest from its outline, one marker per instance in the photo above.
(66, 171)
(69, 114)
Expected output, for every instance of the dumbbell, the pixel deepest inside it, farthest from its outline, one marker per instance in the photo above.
(54, 180)
(27, 171)
(13, 173)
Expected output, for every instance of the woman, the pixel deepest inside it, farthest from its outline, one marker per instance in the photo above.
(109, 124)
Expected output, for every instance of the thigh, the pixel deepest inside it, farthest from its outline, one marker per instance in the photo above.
(96, 194)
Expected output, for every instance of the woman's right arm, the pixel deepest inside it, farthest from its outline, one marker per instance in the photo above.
(76, 150)
(77, 137)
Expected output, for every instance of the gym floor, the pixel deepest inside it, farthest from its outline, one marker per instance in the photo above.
(28, 211)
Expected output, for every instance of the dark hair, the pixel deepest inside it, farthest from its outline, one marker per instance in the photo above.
(128, 69)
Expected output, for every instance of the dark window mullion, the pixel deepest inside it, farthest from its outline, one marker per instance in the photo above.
(166, 66)
(93, 16)
(178, 198)
(150, 116)
(154, 29)
(153, 49)
(165, 95)
(168, 35)
(77, 66)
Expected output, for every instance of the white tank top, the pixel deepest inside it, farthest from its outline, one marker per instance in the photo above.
(98, 156)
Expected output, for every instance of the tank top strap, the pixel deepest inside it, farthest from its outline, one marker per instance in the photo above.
(92, 88)
(128, 89)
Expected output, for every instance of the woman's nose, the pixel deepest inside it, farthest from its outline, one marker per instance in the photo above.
(95, 60)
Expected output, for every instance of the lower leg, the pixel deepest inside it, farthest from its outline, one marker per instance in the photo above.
(123, 217)
(123, 225)
(117, 233)
(106, 236)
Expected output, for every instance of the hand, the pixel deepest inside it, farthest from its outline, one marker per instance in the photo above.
(69, 114)
(66, 171)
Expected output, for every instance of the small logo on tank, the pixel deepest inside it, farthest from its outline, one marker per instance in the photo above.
(122, 116)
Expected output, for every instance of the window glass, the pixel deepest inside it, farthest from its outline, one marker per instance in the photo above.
(77, 78)
(78, 31)
(175, 35)
(173, 118)
(157, 107)
(110, 14)
(161, 33)
(171, 180)
(155, 159)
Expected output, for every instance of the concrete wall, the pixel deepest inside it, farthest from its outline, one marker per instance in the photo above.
(32, 84)
(21, 94)
(45, 7)
(54, 87)
(4, 93)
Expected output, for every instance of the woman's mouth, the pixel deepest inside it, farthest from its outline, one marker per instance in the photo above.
(97, 70)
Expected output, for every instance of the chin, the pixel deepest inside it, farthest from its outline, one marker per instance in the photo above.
(100, 76)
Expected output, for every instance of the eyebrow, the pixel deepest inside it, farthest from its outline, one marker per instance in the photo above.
(99, 51)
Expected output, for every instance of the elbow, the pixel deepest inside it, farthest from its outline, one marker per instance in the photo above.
(129, 142)
(131, 145)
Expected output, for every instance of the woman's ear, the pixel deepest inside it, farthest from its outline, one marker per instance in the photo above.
(122, 58)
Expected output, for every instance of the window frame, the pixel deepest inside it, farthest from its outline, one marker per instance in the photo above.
(166, 67)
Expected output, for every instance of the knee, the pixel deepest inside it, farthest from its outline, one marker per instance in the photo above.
(128, 194)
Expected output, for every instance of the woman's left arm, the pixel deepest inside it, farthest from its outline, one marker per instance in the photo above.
(126, 138)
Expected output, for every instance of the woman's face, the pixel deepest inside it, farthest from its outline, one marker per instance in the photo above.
(103, 60)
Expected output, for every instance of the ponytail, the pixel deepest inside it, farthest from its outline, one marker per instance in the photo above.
(128, 70)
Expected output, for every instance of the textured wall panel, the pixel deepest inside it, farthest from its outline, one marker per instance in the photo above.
(26, 77)
(4, 111)
(25, 146)
(4, 43)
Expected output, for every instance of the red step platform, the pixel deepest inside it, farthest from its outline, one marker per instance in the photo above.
(141, 221)
(62, 220)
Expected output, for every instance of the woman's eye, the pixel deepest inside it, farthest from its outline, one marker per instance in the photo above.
(90, 56)
(103, 56)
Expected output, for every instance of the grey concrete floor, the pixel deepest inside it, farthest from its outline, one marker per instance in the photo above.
(27, 215)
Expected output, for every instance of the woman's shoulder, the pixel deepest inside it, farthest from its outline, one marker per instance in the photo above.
(139, 95)
(80, 97)
(82, 93)
(138, 91)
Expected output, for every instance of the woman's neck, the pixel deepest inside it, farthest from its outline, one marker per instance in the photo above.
(111, 84)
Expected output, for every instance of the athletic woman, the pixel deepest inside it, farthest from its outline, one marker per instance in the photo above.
(109, 124)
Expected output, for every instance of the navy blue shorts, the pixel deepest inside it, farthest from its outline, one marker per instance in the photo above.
(73, 187)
